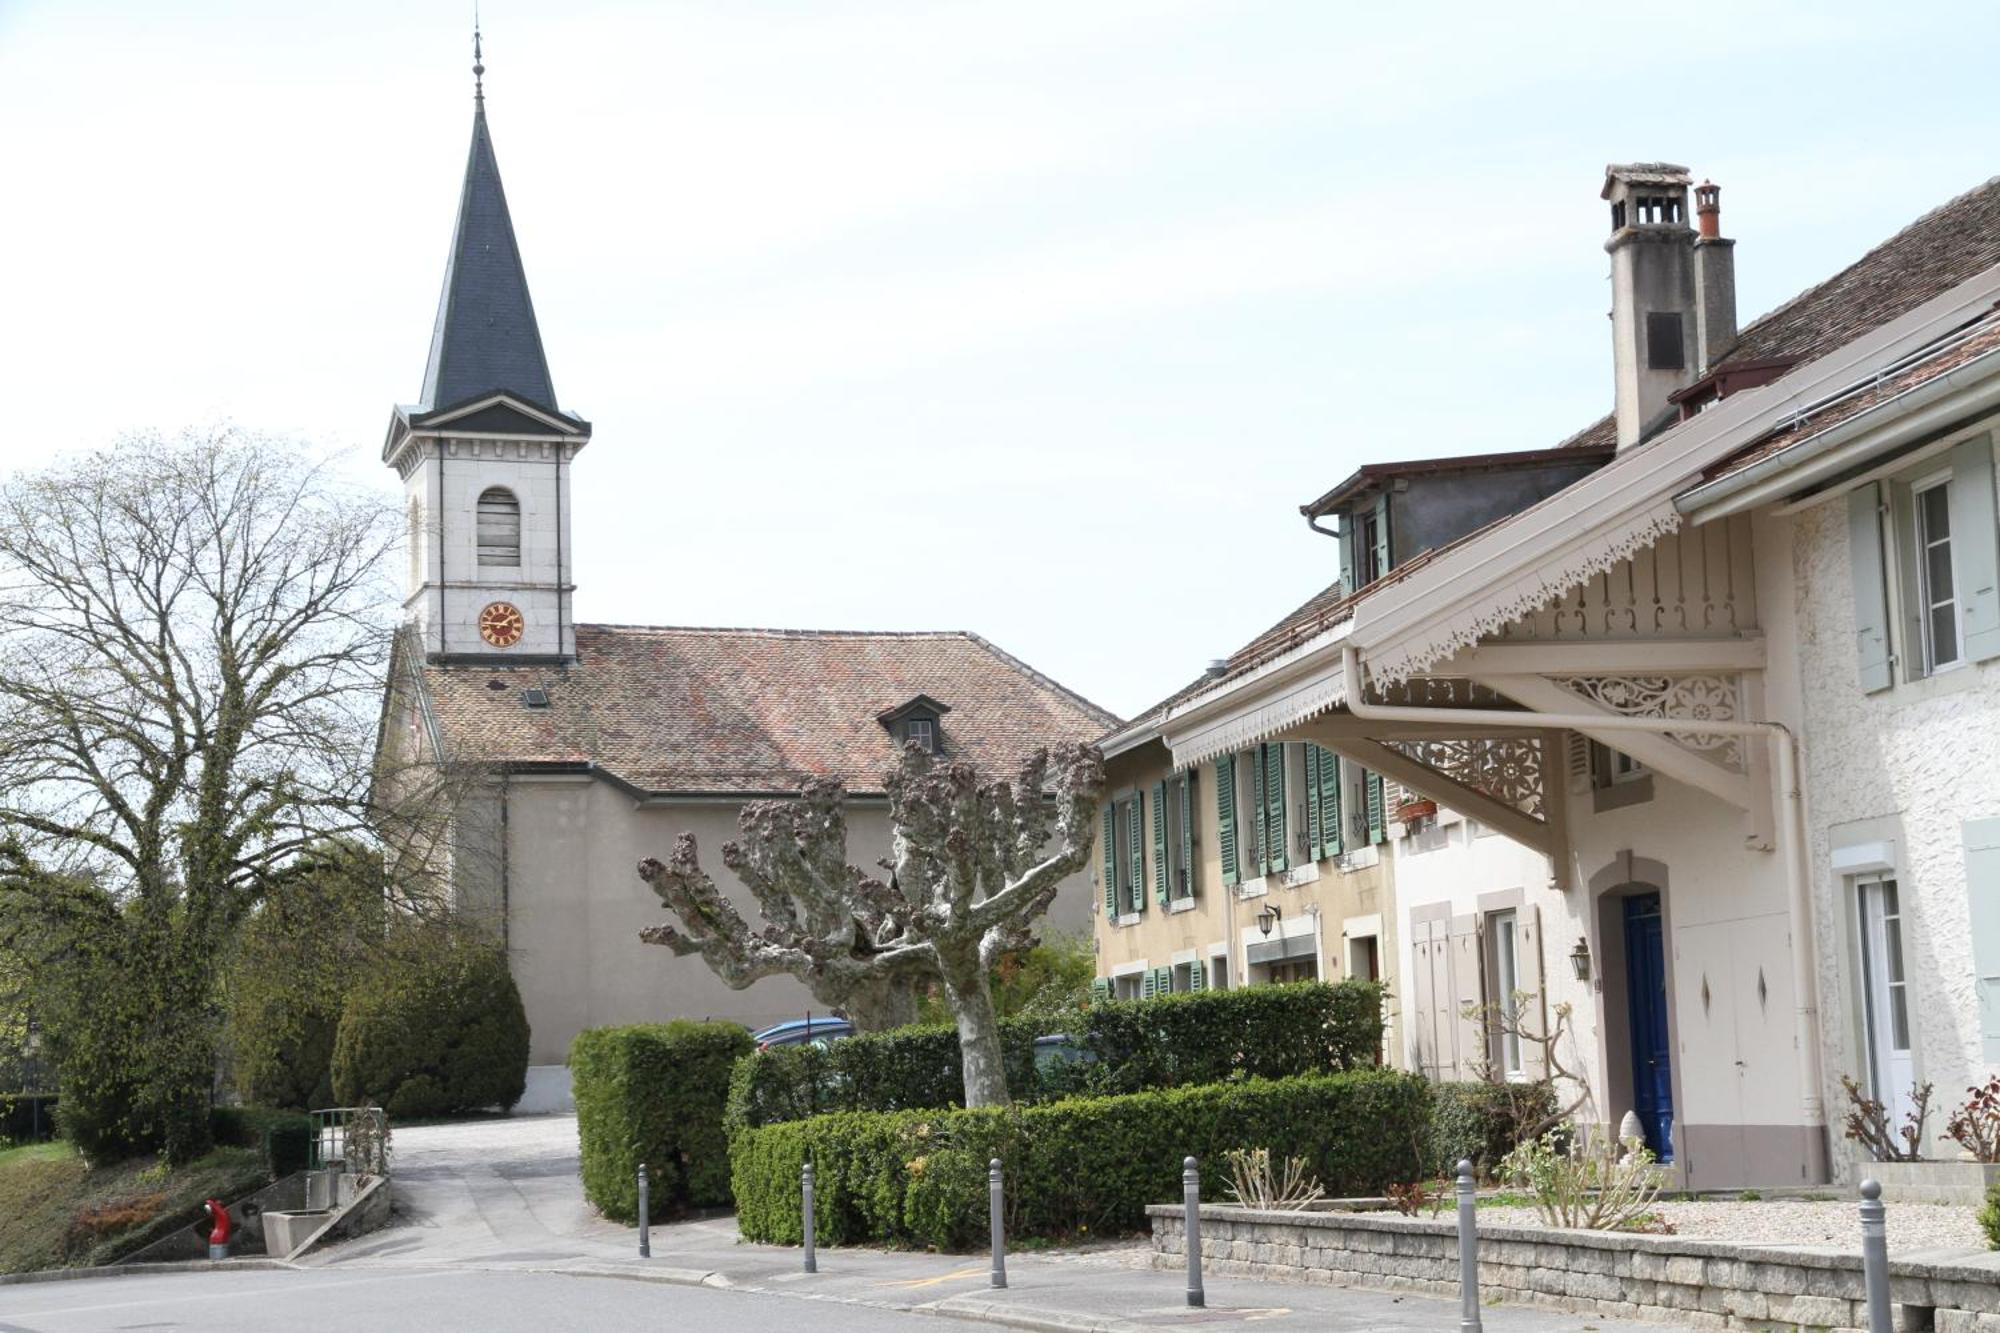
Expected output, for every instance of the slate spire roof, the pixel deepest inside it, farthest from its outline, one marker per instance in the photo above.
(485, 337)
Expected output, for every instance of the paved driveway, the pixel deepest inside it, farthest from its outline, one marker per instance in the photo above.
(487, 1193)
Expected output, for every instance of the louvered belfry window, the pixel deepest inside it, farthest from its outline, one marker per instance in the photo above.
(499, 527)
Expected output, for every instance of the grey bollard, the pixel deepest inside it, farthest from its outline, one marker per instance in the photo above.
(1468, 1251)
(806, 1199)
(997, 1221)
(645, 1215)
(1191, 1203)
(1875, 1256)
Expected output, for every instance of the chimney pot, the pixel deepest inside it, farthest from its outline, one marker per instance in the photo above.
(1218, 667)
(1708, 209)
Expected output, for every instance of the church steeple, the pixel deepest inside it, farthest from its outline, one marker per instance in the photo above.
(485, 338)
(485, 456)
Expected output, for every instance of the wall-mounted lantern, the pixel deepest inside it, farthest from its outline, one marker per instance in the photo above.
(1579, 959)
(1267, 920)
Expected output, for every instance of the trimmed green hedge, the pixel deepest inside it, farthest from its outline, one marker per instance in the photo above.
(1173, 1041)
(284, 1138)
(654, 1093)
(1482, 1122)
(1075, 1168)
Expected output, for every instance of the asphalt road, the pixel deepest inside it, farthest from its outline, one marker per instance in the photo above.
(338, 1301)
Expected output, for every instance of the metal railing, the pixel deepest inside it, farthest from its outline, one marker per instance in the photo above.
(354, 1138)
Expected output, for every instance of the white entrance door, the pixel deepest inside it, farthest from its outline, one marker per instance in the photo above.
(1885, 996)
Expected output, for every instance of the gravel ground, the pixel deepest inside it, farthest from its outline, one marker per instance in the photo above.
(1912, 1226)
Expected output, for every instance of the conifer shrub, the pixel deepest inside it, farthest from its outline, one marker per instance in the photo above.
(435, 1028)
(1081, 1167)
(653, 1093)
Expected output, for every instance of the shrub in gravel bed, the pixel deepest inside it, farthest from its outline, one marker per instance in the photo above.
(1482, 1122)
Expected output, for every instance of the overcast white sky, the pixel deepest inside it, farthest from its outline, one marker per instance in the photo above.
(1035, 319)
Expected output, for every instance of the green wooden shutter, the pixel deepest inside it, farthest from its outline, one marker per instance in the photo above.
(1225, 815)
(1100, 988)
(1259, 793)
(1315, 839)
(1138, 847)
(1275, 849)
(1382, 547)
(1187, 830)
(1870, 582)
(1377, 830)
(1163, 981)
(1350, 558)
(1982, 891)
(1329, 804)
(1197, 976)
(1975, 547)
(1111, 859)
(1162, 881)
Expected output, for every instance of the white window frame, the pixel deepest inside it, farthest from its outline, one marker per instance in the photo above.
(1609, 767)
(1503, 938)
(921, 731)
(1884, 1066)
(1920, 545)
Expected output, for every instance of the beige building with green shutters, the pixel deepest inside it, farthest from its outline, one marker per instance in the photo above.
(1263, 866)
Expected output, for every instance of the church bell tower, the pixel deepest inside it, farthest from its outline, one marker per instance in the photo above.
(485, 453)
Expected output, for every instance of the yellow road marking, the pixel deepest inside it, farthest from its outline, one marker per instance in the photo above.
(942, 1277)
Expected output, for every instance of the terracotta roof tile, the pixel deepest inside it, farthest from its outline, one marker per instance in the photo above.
(1947, 355)
(752, 710)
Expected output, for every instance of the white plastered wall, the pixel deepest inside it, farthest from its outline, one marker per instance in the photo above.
(1909, 764)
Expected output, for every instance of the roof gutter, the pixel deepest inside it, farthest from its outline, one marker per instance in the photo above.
(1908, 417)
(1790, 823)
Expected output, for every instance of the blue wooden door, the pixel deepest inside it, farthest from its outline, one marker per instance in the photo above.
(1646, 993)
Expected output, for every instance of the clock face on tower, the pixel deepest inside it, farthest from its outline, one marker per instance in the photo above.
(500, 624)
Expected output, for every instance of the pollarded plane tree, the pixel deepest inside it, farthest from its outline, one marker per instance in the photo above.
(973, 864)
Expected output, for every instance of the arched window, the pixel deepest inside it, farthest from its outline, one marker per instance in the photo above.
(499, 527)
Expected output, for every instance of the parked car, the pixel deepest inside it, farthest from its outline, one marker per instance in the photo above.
(1059, 1050)
(797, 1031)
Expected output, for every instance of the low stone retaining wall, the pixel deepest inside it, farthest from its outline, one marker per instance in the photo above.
(1692, 1283)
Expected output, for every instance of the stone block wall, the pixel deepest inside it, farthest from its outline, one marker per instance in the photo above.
(1690, 1283)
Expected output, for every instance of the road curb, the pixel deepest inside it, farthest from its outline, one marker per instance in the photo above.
(1025, 1316)
(148, 1270)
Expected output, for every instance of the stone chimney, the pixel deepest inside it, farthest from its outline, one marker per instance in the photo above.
(1653, 313)
(1714, 279)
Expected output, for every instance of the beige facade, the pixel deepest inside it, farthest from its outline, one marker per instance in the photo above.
(1319, 918)
(574, 904)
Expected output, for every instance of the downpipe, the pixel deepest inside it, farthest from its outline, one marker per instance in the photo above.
(1789, 828)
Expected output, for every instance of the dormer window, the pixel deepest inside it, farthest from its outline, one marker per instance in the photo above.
(916, 723)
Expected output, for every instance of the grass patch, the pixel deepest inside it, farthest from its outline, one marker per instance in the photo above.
(1507, 1199)
(56, 1212)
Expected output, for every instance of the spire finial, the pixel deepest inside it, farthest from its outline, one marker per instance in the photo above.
(478, 62)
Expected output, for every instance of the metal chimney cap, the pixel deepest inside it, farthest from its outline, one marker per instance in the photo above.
(1218, 667)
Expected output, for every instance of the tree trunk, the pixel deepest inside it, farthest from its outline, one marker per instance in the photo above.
(970, 994)
(882, 1003)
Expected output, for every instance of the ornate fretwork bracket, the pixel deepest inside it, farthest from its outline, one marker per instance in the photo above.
(1507, 769)
(1710, 697)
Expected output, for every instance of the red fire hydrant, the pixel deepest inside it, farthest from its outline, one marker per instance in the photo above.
(218, 1235)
